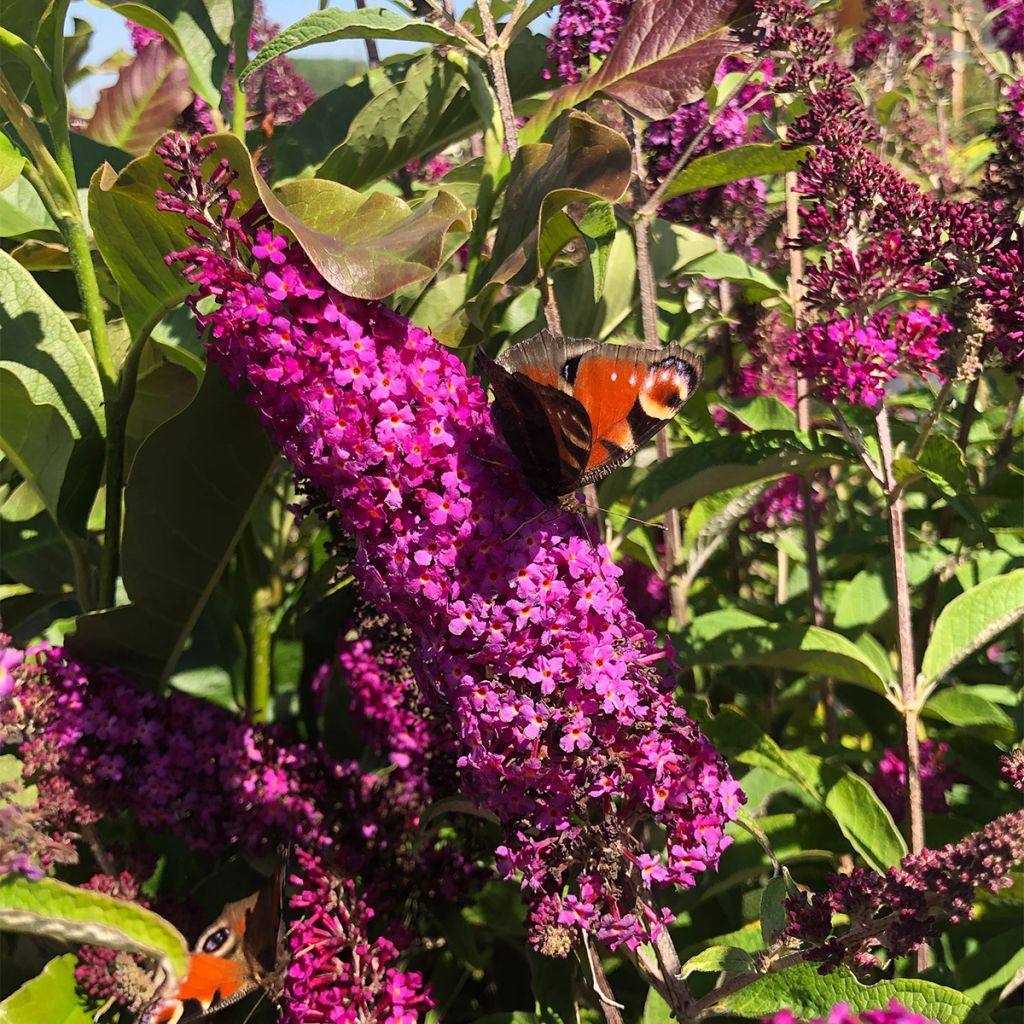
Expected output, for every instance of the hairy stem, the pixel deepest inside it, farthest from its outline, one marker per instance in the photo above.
(649, 317)
(496, 60)
(904, 634)
(803, 422)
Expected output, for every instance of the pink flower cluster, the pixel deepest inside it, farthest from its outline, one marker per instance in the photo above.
(1008, 25)
(568, 731)
(937, 778)
(1012, 768)
(842, 1014)
(584, 28)
(390, 716)
(739, 207)
(782, 504)
(854, 360)
(895, 32)
(337, 972)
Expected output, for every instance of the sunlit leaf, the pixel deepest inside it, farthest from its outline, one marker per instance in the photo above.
(332, 24)
(145, 101)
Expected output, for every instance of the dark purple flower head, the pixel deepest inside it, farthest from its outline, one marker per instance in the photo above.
(1012, 768)
(739, 207)
(567, 730)
(937, 778)
(900, 910)
(585, 29)
(1004, 172)
(894, 35)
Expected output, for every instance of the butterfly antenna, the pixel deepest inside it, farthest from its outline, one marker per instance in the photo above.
(632, 519)
(256, 1006)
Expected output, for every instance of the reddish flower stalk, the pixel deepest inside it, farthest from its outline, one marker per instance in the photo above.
(568, 732)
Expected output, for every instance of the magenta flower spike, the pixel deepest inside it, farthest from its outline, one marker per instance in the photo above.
(566, 723)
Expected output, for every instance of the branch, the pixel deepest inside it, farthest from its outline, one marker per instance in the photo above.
(649, 314)
(496, 60)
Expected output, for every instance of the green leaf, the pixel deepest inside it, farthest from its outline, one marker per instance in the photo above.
(773, 910)
(708, 627)
(971, 621)
(43, 350)
(199, 31)
(809, 994)
(51, 996)
(553, 981)
(53, 369)
(22, 214)
(411, 118)
(656, 1010)
(805, 649)
(598, 226)
(716, 959)
(36, 439)
(179, 530)
(12, 160)
(300, 147)
(962, 707)
(750, 161)
(863, 818)
(333, 24)
(586, 160)
(984, 971)
(429, 109)
(61, 911)
(863, 600)
(731, 461)
(664, 55)
(847, 798)
(145, 101)
(761, 412)
(727, 266)
(133, 237)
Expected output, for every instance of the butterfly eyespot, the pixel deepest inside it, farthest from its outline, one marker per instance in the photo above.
(215, 940)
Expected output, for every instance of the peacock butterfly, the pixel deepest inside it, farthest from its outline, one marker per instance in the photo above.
(242, 950)
(573, 409)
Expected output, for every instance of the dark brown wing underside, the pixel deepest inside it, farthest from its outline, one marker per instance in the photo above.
(547, 430)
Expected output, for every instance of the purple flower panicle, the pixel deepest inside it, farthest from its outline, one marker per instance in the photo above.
(337, 972)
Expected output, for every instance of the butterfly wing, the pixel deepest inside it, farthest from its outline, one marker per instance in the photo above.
(230, 959)
(546, 428)
(629, 394)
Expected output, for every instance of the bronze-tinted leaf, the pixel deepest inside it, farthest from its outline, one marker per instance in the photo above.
(665, 55)
(374, 244)
(144, 102)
